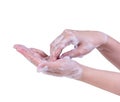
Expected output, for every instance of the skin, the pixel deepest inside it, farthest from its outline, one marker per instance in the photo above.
(61, 67)
(111, 50)
(86, 42)
(108, 47)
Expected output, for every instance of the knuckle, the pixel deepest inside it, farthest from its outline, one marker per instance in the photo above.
(68, 34)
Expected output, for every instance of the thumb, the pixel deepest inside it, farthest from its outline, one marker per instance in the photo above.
(79, 51)
(72, 53)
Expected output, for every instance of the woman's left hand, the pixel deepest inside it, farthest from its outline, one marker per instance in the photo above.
(61, 67)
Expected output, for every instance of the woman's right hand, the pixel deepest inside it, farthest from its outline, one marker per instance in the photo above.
(84, 42)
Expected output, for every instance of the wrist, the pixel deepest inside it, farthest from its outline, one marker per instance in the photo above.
(87, 74)
(78, 75)
(105, 45)
(103, 41)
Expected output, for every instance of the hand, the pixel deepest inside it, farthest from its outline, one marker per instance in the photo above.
(62, 67)
(83, 41)
(33, 55)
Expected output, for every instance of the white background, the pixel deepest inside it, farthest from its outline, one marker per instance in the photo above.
(36, 23)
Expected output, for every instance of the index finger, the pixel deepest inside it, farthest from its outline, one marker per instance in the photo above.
(57, 47)
(54, 46)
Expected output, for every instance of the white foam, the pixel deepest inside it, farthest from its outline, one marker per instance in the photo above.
(77, 75)
(74, 40)
(67, 57)
(75, 70)
(89, 47)
(43, 69)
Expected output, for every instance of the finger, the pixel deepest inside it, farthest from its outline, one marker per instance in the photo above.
(40, 52)
(27, 54)
(72, 53)
(54, 45)
(76, 52)
(55, 54)
(57, 50)
(83, 49)
(56, 41)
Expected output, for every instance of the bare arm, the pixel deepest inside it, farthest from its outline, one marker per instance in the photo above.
(106, 80)
(111, 50)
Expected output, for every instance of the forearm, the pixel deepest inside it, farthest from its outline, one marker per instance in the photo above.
(106, 80)
(111, 51)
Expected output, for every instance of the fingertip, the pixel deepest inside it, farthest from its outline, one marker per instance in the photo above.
(18, 46)
(15, 46)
